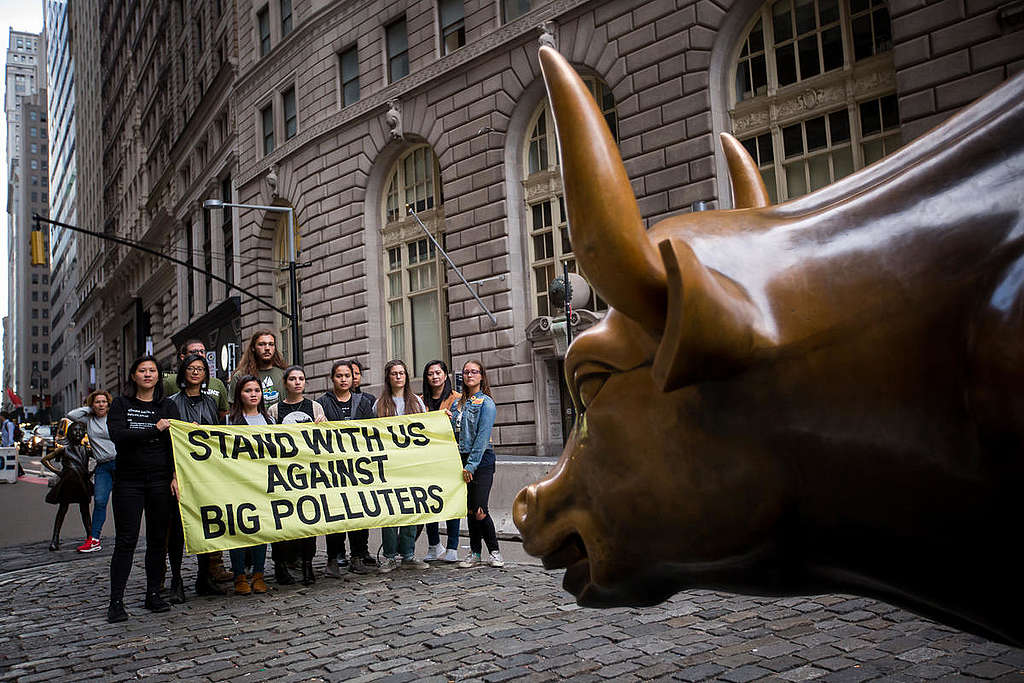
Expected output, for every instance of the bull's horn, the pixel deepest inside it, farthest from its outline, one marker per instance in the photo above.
(607, 234)
(748, 190)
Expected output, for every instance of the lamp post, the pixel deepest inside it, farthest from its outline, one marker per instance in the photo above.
(293, 286)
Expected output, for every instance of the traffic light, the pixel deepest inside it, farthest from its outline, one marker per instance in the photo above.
(38, 245)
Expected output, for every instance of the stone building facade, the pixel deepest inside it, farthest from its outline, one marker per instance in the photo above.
(347, 112)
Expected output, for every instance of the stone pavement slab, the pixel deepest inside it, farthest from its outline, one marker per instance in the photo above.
(448, 624)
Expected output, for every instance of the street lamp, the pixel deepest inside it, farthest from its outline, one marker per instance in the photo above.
(293, 293)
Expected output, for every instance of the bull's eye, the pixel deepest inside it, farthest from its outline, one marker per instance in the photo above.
(589, 378)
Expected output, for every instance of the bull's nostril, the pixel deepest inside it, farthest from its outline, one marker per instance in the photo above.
(521, 506)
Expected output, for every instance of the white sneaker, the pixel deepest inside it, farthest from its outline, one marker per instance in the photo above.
(332, 569)
(433, 553)
(451, 556)
(496, 559)
(472, 560)
(413, 563)
(388, 564)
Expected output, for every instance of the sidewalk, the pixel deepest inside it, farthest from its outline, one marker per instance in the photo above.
(449, 624)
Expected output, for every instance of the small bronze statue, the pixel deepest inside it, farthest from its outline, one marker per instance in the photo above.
(821, 396)
(74, 484)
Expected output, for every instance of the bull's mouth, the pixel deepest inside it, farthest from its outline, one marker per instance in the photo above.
(572, 556)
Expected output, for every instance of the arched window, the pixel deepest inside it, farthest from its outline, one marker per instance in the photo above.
(417, 308)
(282, 297)
(548, 231)
(814, 92)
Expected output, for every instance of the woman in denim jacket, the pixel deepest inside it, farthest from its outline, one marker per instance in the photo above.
(473, 417)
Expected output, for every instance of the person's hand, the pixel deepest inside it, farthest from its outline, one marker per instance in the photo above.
(467, 476)
(321, 419)
(162, 424)
(174, 488)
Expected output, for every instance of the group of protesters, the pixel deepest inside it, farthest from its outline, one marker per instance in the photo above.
(130, 442)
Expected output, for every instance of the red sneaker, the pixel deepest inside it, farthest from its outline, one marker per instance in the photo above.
(91, 545)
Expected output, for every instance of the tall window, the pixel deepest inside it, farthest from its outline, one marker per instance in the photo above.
(229, 233)
(282, 283)
(348, 63)
(814, 96)
(267, 125)
(397, 39)
(286, 17)
(546, 218)
(416, 301)
(513, 9)
(451, 14)
(291, 116)
(263, 26)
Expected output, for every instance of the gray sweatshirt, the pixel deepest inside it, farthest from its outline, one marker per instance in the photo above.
(102, 447)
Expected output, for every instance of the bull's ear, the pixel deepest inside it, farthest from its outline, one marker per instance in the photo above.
(748, 190)
(712, 326)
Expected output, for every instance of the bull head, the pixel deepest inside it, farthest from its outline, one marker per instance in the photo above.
(823, 395)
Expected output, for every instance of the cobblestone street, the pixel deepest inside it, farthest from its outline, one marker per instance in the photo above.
(450, 624)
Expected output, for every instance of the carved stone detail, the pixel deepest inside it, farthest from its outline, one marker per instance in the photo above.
(548, 35)
(393, 120)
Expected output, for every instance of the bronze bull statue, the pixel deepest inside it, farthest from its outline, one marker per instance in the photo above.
(821, 396)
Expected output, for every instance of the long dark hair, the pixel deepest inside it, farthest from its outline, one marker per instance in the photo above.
(289, 370)
(236, 416)
(428, 391)
(485, 386)
(247, 364)
(130, 390)
(386, 404)
(182, 378)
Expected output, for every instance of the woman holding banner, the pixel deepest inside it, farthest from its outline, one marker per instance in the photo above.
(438, 395)
(138, 423)
(398, 398)
(293, 409)
(474, 418)
(248, 408)
(342, 402)
(195, 406)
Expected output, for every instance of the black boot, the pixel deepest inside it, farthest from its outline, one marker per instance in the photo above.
(116, 612)
(154, 603)
(281, 574)
(177, 595)
(55, 542)
(308, 577)
(204, 585)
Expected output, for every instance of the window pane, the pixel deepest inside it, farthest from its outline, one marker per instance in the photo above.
(883, 31)
(513, 9)
(832, 48)
(862, 40)
(766, 154)
(873, 151)
(816, 138)
(839, 123)
(785, 62)
(804, 16)
(795, 182)
(792, 140)
(842, 162)
(768, 175)
(759, 72)
(395, 284)
(756, 39)
(890, 113)
(426, 329)
(819, 171)
(809, 57)
(782, 21)
(870, 120)
(828, 11)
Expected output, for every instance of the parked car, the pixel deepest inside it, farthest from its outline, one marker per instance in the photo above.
(41, 441)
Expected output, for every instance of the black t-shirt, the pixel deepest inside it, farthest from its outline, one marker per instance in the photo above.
(357, 407)
(141, 447)
(291, 413)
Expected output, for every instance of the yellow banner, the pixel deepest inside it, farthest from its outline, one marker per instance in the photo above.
(242, 486)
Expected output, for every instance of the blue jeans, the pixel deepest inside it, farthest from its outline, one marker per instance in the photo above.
(104, 483)
(434, 534)
(399, 540)
(259, 559)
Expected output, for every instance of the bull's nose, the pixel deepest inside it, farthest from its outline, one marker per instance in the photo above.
(525, 501)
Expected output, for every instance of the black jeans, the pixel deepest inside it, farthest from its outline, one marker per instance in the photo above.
(358, 542)
(135, 493)
(175, 539)
(479, 490)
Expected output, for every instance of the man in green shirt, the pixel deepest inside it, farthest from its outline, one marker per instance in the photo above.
(215, 389)
(262, 359)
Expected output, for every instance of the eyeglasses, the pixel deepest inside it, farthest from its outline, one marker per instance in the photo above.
(195, 370)
(471, 372)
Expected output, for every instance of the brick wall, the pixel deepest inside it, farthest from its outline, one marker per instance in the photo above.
(949, 53)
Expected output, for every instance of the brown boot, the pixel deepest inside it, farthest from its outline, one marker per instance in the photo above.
(258, 584)
(242, 585)
(217, 570)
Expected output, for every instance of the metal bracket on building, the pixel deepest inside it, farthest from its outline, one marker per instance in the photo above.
(479, 282)
(412, 212)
